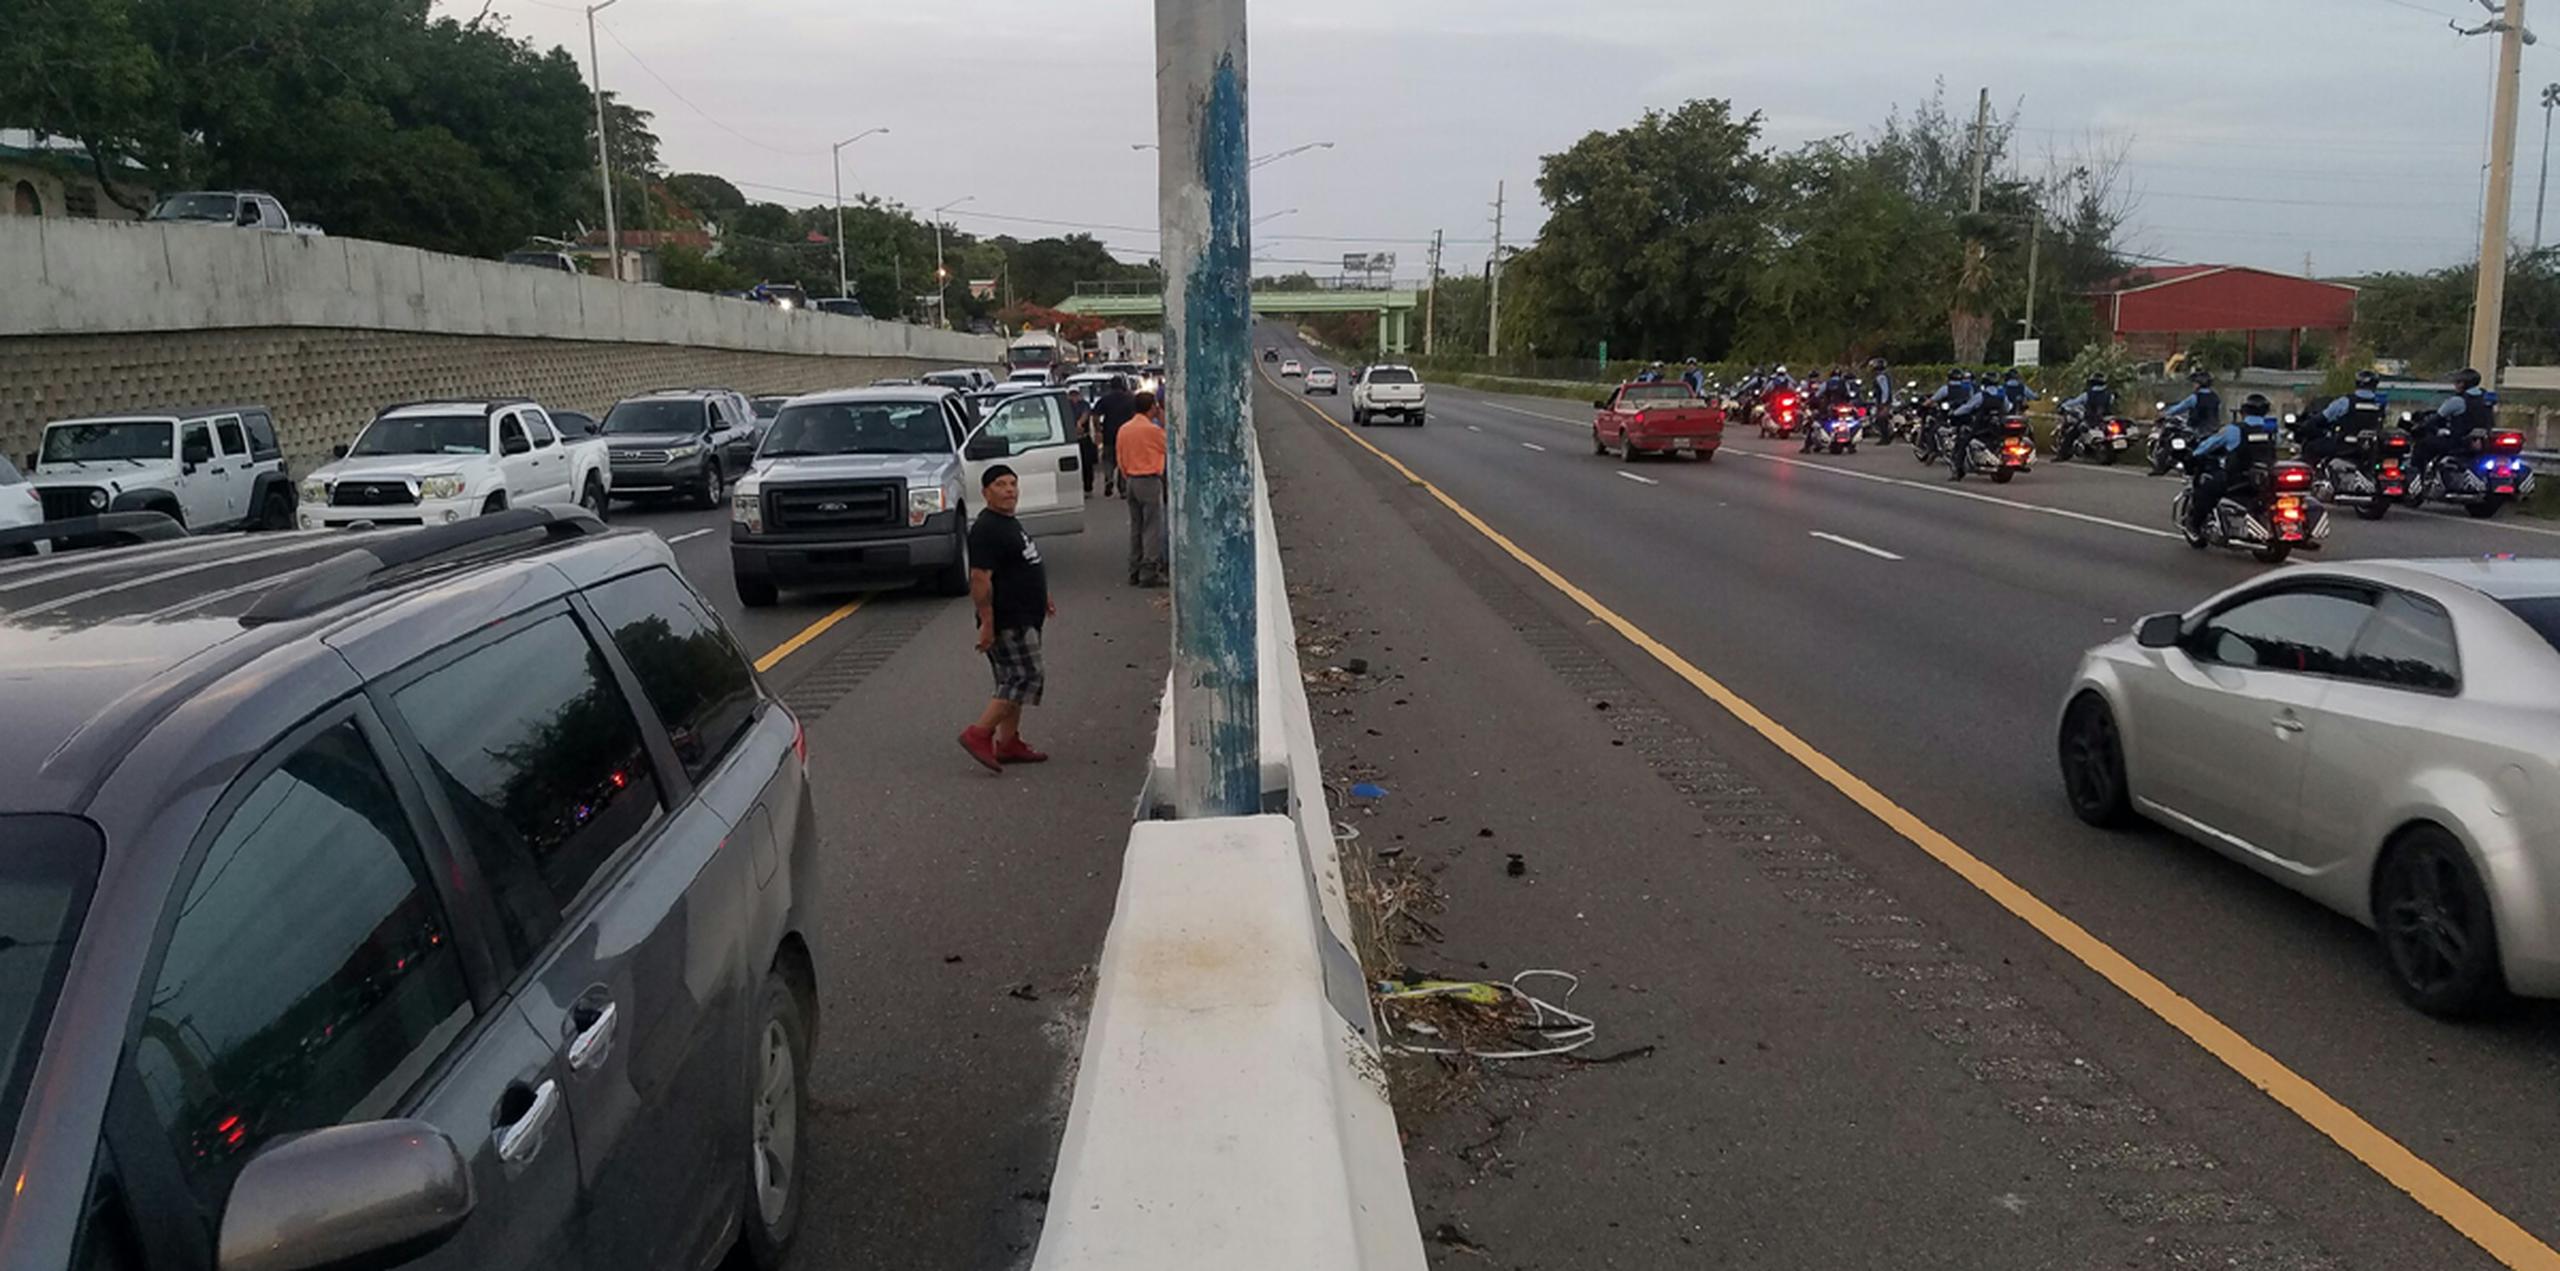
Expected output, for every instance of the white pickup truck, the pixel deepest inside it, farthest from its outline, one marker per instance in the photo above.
(1389, 391)
(434, 462)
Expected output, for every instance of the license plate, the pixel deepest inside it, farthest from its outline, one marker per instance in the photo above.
(2121, 442)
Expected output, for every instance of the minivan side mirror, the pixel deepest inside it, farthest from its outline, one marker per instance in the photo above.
(372, 1194)
(985, 446)
(2159, 631)
(338, 451)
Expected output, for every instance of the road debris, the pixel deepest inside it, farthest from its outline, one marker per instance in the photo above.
(1488, 1020)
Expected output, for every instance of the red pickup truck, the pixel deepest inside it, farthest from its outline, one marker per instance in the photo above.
(1659, 418)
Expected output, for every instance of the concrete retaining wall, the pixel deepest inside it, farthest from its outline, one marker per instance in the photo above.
(103, 316)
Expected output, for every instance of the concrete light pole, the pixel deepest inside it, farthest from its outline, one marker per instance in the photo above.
(942, 276)
(604, 156)
(835, 159)
(1204, 203)
(2489, 301)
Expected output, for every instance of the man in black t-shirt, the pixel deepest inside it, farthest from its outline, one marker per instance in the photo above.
(1114, 409)
(1010, 588)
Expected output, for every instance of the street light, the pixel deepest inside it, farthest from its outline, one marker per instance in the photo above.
(835, 159)
(941, 276)
(2550, 98)
(604, 161)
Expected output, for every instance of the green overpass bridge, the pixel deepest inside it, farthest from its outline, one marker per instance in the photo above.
(1394, 308)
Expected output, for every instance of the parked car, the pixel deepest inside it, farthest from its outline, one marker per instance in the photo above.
(1390, 391)
(1322, 380)
(873, 483)
(767, 407)
(843, 306)
(1656, 418)
(209, 468)
(958, 381)
(440, 898)
(431, 463)
(680, 442)
(247, 209)
(1036, 377)
(2377, 735)
(1291, 369)
(20, 506)
(576, 424)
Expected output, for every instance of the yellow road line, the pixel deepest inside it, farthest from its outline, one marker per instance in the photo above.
(808, 633)
(2500, 1236)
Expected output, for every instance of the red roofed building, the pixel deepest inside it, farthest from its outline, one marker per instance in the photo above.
(2158, 309)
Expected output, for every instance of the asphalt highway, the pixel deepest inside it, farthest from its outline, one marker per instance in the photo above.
(1920, 633)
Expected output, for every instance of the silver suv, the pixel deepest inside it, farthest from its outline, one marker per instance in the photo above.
(438, 898)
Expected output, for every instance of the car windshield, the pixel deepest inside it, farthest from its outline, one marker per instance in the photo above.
(111, 439)
(858, 428)
(196, 207)
(1392, 375)
(658, 416)
(2542, 613)
(1649, 393)
(424, 435)
(45, 879)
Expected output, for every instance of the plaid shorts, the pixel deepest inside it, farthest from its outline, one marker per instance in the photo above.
(1015, 657)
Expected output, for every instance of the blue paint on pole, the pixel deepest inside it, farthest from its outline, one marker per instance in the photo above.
(1216, 597)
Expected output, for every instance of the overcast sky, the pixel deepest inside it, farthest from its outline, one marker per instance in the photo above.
(2258, 130)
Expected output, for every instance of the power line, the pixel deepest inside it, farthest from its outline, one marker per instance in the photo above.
(706, 115)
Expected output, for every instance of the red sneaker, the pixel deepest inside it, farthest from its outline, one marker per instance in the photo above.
(981, 745)
(1019, 751)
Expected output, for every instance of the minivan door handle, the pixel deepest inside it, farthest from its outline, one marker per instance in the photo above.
(520, 1139)
(595, 1040)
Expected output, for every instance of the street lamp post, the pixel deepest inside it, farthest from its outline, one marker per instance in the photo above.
(604, 160)
(2542, 189)
(835, 157)
(941, 276)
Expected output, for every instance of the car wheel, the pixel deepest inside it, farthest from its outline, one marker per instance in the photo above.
(1627, 448)
(1359, 417)
(757, 593)
(714, 487)
(778, 1113)
(1598, 446)
(275, 512)
(954, 578)
(2432, 915)
(2092, 754)
(1707, 455)
(1417, 419)
(593, 498)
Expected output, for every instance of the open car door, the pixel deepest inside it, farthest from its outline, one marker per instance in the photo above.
(1046, 461)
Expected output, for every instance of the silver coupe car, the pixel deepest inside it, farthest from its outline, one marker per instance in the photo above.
(2382, 736)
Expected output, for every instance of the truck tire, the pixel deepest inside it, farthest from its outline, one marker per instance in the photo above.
(756, 593)
(1359, 416)
(1417, 419)
(275, 511)
(594, 499)
(715, 488)
(953, 580)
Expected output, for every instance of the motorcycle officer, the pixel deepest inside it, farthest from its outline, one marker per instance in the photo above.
(1981, 403)
(2014, 392)
(2202, 408)
(1695, 377)
(1880, 382)
(2096, 403)
(1650, 375)
(2240, 460)
(2326, 434)
(2469, 413)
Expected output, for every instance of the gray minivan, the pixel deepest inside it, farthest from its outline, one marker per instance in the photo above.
(434, 898)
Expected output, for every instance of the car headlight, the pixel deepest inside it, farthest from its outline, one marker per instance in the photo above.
(685, 451)
(440, 488)
(747, 509)
(315, 490)
(924, 503)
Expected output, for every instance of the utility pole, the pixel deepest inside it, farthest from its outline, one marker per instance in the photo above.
(1431, 298)
(1967, 329)
(835, 156)
(1981, 125)
(942, 276)
(604, 156)
(2489, 302)
(1493, 315)
(2542, 188)
(1205, 206)
(2035, 244)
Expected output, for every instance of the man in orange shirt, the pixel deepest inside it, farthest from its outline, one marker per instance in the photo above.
(1141, 453)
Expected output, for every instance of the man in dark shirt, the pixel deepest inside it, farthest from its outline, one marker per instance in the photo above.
(1010, 588)
(1115, 408)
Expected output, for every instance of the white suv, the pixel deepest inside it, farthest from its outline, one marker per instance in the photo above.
(435, 462)
(208, 469)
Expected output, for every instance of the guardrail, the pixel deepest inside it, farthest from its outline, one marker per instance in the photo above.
(1231, 1108)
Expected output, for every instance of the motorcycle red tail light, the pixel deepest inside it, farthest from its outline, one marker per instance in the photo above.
(2293, 478)
(2509, 442)
(2391, 470)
